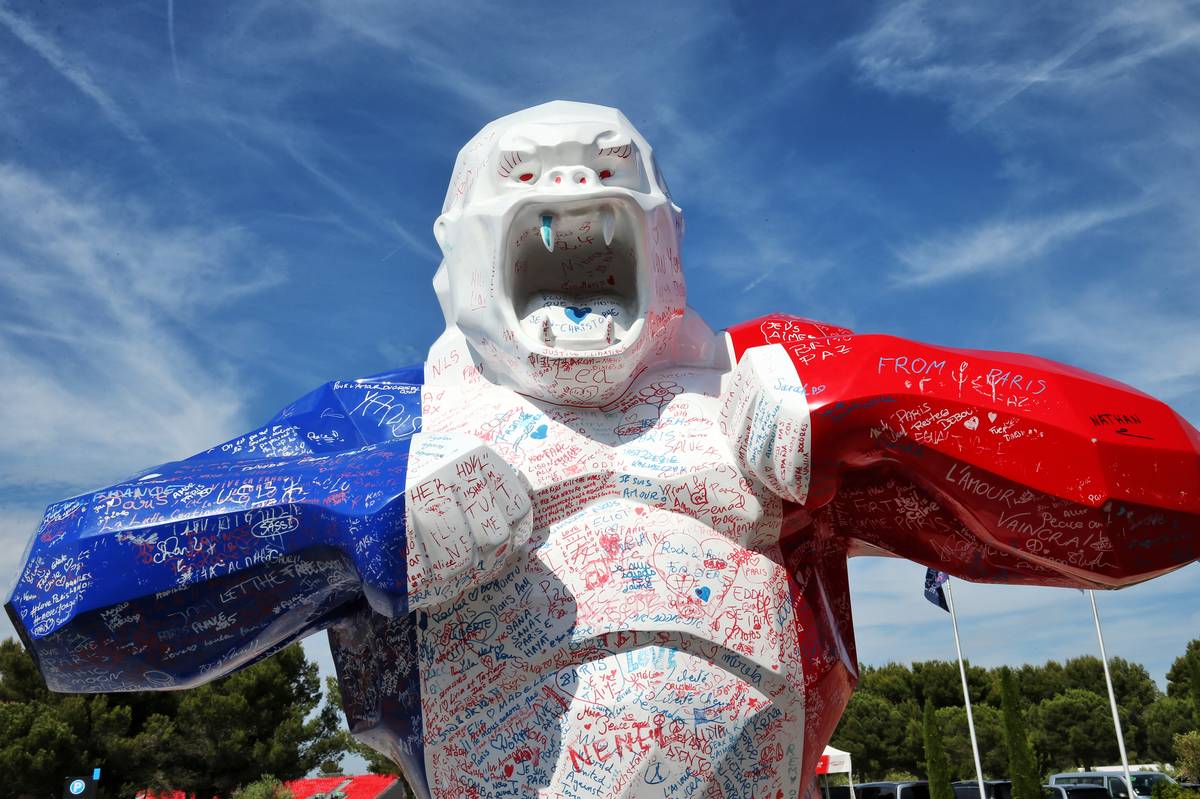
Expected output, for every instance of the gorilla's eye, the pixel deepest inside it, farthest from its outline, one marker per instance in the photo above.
(511, 162)
(605, 174)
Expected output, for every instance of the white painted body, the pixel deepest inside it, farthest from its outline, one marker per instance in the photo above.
(595, 502)
(641, 641)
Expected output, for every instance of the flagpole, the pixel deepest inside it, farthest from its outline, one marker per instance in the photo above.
(962, 670)
(1112, 698)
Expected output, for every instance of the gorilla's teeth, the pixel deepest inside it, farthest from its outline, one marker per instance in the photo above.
(548, 232)
(610, 223)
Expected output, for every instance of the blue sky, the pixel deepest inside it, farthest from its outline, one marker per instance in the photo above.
(206, 210)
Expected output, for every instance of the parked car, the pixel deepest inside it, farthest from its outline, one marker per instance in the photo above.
(892, 790)
(1114, 781)
(992, 789)
(1081, 790)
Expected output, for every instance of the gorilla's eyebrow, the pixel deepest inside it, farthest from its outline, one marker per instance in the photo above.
(508, 162)
(622, 151)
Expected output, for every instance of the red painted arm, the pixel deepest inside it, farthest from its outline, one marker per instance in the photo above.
(991, 466)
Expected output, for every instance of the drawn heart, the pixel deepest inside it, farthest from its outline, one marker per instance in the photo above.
(971, 423)
(577, 315)
(992, 416)
(703, 593)
(508, 769)
(539, 433)
(612, 281)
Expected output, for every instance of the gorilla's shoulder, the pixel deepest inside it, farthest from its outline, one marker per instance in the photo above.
(780, 328)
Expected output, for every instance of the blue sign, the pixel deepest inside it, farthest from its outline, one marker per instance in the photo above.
(79, 788)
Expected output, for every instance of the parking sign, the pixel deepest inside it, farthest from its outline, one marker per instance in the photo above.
(79, 788)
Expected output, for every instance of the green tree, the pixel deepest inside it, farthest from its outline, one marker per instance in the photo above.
(1194, 688)
(19, 678)
(874, 730)
(937, 767)
(1187, 754)
(910, 756)
(1039, 683)
(1022, 766)
(45, 736)
(956, 739)
(206, 740)
(1194, 685)
(940, 682)
(1180, 680)
(35, 745)
(1134, 689)
(894, 681)
(266, 787)
(1074, 729)
(256, 720)
(1166, 718)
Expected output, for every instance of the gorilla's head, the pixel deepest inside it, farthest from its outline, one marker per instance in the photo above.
(560, 252)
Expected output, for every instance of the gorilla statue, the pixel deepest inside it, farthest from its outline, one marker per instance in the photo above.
(591, 547)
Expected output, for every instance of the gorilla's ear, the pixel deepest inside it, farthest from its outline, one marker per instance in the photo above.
(440, 228)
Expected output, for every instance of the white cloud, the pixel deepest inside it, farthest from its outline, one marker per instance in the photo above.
(982, 57)
(1134, 339)
(1081, 104)
(105, 306)
(1000, 244)
(171, 38)
(80, 77)
(417, 244)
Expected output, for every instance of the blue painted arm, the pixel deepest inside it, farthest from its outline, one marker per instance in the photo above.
(197, 567)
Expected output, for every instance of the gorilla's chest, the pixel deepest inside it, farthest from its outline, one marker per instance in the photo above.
(658, 450)
(642, 519)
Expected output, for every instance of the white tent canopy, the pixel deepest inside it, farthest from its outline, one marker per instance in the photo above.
(835, 761)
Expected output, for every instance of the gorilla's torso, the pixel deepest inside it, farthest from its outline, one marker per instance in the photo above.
(643, 641)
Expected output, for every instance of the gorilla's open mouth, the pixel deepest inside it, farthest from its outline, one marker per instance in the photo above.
(573, 272)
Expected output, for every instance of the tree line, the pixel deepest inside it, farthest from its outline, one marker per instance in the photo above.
(1064, 707)
(271, 719)
(268, 718)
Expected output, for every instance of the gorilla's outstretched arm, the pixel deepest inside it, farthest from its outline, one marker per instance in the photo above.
(991, 466)
(197, 567)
